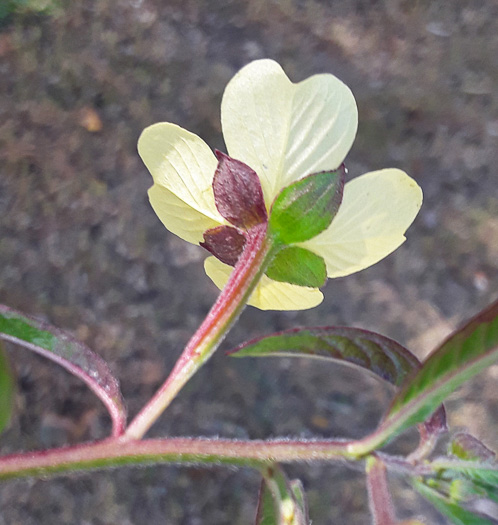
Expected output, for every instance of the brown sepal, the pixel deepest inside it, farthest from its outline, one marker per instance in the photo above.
(225, 243)
(237, 193)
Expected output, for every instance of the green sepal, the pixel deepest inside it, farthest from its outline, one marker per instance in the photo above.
(281, 501)
(306, 208)
(266, 513)
(299, 266)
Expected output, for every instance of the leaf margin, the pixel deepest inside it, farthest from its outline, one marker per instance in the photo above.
(101, 381)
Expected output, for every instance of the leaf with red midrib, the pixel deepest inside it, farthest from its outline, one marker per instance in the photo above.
(466, 352)
(379, 355)
(69, 353)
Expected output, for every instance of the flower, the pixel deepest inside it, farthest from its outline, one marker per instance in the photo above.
(283, 131)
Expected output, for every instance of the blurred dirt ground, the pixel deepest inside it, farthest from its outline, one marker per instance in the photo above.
(81, 247)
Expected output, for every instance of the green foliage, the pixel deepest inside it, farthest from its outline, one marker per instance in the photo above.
(306, 208)
(298, 266)
(267, 513)
(464, 354)
(451, 483)
(6, 389)
(369, 351)
(281, 502)
(472, 471)
(453, 511)
(72, 355)
(8, 7)
(461, 482)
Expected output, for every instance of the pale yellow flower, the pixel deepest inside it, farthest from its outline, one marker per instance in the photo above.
(284, 131)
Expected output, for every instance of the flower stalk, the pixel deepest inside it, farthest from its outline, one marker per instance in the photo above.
(225, 311)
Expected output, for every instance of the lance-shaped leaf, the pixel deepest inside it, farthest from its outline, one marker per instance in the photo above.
(465, 353)
(464, 481)
(72, 355)
(373, 352)
(453, 511)
(237, 193)
(281, 502)
(306, 208)
(299, 266)
(6, 389)
(474, 470)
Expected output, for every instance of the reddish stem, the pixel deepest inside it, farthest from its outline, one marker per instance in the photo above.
(116, 452)
(219, 320)
(379, 497)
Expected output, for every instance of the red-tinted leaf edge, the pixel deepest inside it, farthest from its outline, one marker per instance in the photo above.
(98, 378)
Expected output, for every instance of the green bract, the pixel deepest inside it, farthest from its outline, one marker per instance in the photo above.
(306, 208)
(296, 265)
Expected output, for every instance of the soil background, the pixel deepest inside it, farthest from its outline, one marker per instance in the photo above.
(81, 247)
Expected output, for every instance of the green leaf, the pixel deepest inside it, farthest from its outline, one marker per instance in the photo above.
(367, 350)
(281, 502)
(464, 481)
(482, 474)
(266, 513)
(6, 389)
(299, 266)
(306, 208)
(464, 354)
(373, 352)
(453, 511)
(464, 490)
(72, 355)
(476, 463)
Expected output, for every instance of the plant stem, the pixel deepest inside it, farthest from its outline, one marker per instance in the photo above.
(230, 303)
(115, 452)
(379, 498)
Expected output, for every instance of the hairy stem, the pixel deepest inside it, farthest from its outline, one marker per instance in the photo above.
(230, 303)
(115, 452)
(379, 497)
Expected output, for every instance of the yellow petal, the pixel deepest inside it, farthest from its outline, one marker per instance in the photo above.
(183, 165)
(376, 210)
(286, 131)
(178, 217)
(268, 295)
